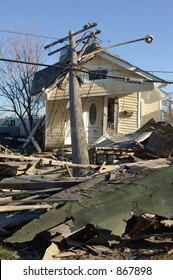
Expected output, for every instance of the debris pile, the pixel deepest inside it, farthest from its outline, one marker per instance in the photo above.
(118, 210)
(153, 140)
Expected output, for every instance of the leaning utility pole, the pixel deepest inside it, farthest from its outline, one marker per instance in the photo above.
(78, 135)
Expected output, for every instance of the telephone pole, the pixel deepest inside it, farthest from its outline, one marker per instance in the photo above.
(78, 134)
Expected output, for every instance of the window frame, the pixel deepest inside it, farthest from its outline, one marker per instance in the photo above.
(99, 74)
(93, 68)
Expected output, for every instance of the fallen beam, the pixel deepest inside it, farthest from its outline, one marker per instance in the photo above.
(12, 193)
(24, 207)
(40, 184)
(46, 161)
(48, 200)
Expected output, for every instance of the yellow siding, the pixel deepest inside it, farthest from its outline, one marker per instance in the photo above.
(127, 94)
(151, 107)
(129, 103)
(104, 87)
(55, 119)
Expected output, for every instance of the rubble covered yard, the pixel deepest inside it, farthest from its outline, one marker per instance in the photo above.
(119, 208)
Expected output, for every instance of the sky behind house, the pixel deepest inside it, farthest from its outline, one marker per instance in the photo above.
(118, 21)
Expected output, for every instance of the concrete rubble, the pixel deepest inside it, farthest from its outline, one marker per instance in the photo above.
(120, 208)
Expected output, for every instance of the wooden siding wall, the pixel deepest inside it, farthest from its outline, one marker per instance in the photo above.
(55, 119)
(126, 123)
(104, 87)
(127, 94)
(151, 106)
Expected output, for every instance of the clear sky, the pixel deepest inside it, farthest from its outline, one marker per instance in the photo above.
(118, 21)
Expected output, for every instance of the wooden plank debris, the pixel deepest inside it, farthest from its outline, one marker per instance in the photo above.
(51, 252)
(36, 145)
(22, 185)
(50, 162)
(68, 170)
(28, 192)
(4, 150)
(34, 201)
(33, 167)
(38, 183)
(41, 199)
(12, 208)
(31, 137)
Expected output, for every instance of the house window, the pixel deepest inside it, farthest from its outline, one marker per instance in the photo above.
(92, 114)
(98, 74)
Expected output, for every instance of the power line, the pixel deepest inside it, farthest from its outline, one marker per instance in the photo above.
(130, 80)
(54, 38)
(27, 34)
(138, 70)
(156, 71)
(86, 27)
(30, 63)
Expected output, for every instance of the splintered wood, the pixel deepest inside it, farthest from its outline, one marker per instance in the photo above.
(23, 177)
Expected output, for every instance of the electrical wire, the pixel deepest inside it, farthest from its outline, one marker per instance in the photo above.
(156, 71)
(83, 71)
(79, 70)
(140, 70)
(27, 34)
(55, 38)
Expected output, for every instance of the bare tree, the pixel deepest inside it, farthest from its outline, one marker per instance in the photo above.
(167, 112)
(16, 78)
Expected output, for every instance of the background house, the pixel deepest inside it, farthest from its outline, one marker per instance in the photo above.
(115, 94)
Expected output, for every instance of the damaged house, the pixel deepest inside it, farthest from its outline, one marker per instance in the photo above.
(115, 94)
(126, 215)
